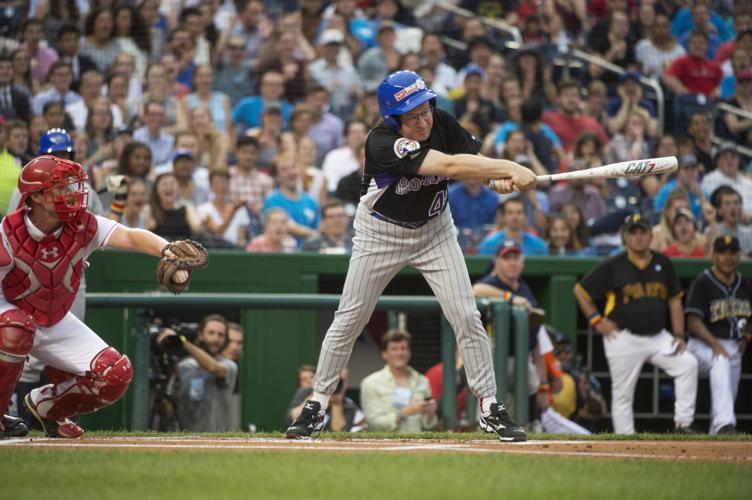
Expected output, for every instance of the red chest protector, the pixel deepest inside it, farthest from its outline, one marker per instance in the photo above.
(47, 273)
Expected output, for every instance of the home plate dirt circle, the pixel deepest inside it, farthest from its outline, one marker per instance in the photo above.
(707, 451)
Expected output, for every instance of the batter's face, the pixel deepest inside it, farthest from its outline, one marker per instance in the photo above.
(397, 354)
(637, 240)
(417, 123)
(726, 261)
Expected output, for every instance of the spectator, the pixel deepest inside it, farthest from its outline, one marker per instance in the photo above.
(135, 202)
(132, 36)
(117, 92)
(342, 414)
(327, 130)
(222, 218)
(573, 215)
(217, 103)
(434, 54)
(233, 76)
(302, 209)
(334, 236)
(688, 243)
(659, 49)
(739, 62)
(56, 14)
(687, 178)
(90, 90)
(10, 169)
(276, 236)
(158, 89)
(165, 216)
(348, 188)
(505, 279)
(693, 73)
(342, 81)
(490, 88)
(742, 20)
(643, 321)
(514, 226)
(473, 107)
(567, 122)
(726, 173)
(283, 57)
(397, 397)
(342, 161)
(14, 103)
(234, 351)
(590, 150)
(728, 204)
(250, 25)
(560, 238)
(616, 46)
(191, 192)
(628, 99)
(700, 129)
(99, 131)
(378, 62)
(247, 184)
(651, 184)
(178, 73)
(23, 80)
(98, 42)
(662, 234)
(741, 128)
(206, 378)
(42, 57)
(152, 133)
(534, 73)
(473, 205)
(18, 141)
(701, 21)
(686, 20)
(301, 120)
(312, 178)
(305, 376)
(247, 113)
(719, 310)
(190, 21)
(631, 142)
(269, 136)
(213, 144)
(67, 49)
(580, 192)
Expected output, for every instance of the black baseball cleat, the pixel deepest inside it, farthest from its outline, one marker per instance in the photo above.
(687, 430)
(13, 427)
(499, 421)
(64, 428)
(311, 420)
(727, 429)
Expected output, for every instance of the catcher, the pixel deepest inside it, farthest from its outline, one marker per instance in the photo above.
(44, 246)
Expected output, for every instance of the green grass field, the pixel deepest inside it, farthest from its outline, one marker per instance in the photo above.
(78, 474)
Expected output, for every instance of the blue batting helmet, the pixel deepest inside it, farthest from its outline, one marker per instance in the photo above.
(56, 140)
(400, 92)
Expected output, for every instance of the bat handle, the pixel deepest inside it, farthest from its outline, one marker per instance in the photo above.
(544, 179)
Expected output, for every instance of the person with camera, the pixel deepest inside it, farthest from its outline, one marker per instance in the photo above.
(205, 378)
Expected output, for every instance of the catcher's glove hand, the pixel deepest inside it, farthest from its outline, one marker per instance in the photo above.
(179, 259)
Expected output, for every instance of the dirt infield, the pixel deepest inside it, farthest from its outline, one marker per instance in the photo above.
(725, 451)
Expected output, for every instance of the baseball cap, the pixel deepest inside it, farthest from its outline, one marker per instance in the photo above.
(507, 247)
(683, 212)
(688, 160)
(724, 147)
(182, 153)
(726, 242)
(272, 108)
(386, 25)
(331, 36)
(474, 69)
(632, 73)
(633, 221)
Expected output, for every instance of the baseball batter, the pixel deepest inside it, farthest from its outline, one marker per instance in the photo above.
(43, 246)
(718, 309)
(642, 297)
(402, 220)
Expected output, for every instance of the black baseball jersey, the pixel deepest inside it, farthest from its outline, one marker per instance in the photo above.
(725, 310)
(392, 162)
(636, 298)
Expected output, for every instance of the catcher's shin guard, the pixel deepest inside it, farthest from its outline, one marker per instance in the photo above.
(16, 340)
(103, 384)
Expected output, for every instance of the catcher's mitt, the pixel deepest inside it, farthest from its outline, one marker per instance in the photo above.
(179, 259)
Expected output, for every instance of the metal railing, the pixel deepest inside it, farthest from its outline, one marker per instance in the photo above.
(498, 24)
(501, 314)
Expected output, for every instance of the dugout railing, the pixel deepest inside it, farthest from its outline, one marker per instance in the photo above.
(133, 312)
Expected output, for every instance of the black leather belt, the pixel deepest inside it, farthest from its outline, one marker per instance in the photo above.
(407, 225)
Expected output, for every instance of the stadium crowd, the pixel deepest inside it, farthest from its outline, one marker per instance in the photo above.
(242, 123)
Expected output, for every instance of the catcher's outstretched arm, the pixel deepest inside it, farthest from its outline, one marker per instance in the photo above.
(139, 240)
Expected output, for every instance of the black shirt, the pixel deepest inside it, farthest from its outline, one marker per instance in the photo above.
(392, 161)
(725, 310)
(635, 298)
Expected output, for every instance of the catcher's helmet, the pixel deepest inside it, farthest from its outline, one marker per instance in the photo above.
(56, 140)
(63, 183)
(400, 92)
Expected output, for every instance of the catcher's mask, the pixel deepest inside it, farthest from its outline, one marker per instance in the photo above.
(62, 182)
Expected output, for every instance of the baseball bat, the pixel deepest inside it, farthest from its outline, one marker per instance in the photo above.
(636, 168)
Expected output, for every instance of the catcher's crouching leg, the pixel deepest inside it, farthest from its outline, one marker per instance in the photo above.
(102, 385)
(17, 331)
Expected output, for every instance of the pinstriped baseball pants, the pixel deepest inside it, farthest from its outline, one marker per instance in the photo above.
(380, 251)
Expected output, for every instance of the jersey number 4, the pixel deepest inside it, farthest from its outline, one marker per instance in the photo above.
(437, 205)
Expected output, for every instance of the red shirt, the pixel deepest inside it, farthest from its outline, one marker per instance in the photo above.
(673, 251)
(568, 128)
(700, 76)
(435, 376)
(724, 51)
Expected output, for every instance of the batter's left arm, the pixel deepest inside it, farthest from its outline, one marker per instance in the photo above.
(138, 240)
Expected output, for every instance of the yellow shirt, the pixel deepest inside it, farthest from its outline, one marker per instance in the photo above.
(10, 168)
(565, 401)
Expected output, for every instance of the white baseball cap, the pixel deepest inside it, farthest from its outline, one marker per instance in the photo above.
(331, 36)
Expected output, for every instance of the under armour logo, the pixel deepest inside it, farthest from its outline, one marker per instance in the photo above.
(47, 253)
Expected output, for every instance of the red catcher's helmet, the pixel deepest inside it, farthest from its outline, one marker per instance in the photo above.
(63, 183)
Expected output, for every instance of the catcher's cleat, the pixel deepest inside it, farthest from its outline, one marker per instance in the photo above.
(499, 421)
(311, 420)
(64, 428)
(13, 427)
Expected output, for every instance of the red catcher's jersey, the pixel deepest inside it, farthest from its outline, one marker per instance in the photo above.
(47, 273)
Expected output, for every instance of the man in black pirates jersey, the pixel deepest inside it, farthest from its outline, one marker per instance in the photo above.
(643, 299)
(718, 309)
(402, 220)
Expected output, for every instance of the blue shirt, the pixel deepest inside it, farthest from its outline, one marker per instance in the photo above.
(660, 199)
(530, 244)
(507, 128)
(522, 290)
(470, 211)
(683, 24)
(304, 210)
(248, 111)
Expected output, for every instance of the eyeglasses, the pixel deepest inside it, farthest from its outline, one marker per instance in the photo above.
(413, 119)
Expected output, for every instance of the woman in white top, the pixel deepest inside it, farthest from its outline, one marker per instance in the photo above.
(133, 36)
(220, 217)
